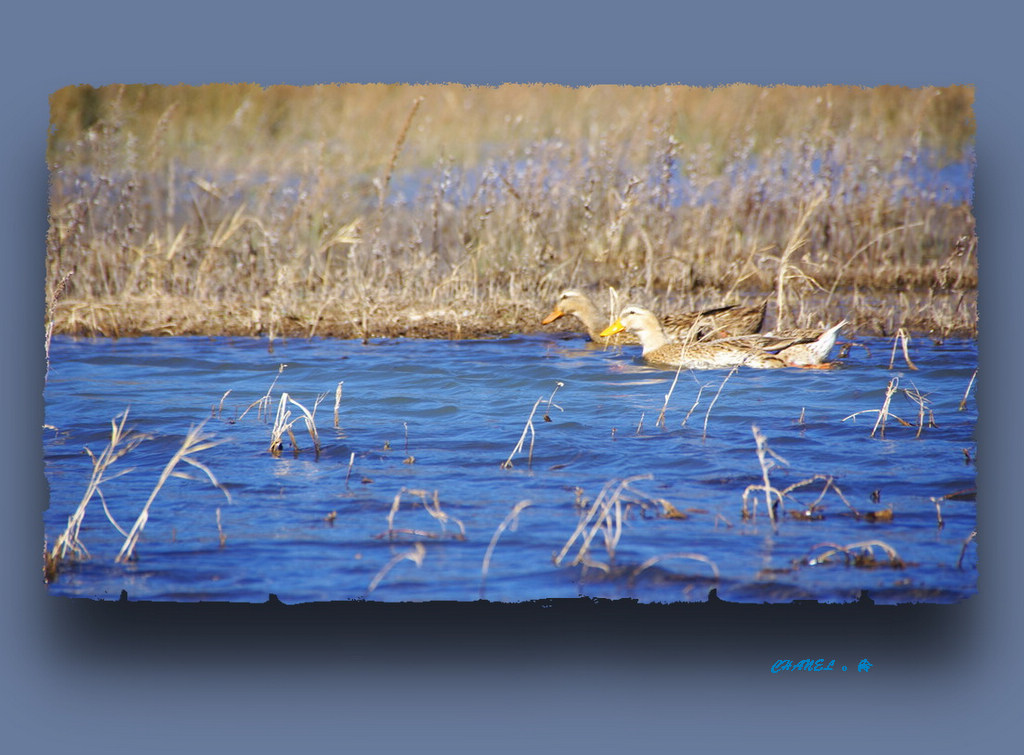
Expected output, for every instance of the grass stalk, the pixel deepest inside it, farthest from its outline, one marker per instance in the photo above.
(963, 549)
(195, 442)
(664, 407)
(797, 239)
(692, 556)
(510, 521)
(528, 428)
(68, 544)
(604, 516)
(902, 339)
(963, 401)
(50, 309)
(415, 555)
(711, 406)
(766, 458)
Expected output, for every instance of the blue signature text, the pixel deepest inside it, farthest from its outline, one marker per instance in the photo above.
(809, 664)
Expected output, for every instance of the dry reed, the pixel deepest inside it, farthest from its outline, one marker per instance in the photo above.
(766, 458)
(68, 545)
(195, 442)
(657, 559)
(884, 414)
(283, 422)
(604, 516)
(707, 414)
(509, 522)
(432, 507)
(970, 383)
(963, 549)
(528, 428)
(860, 555)
(416, 555)
(282, 211)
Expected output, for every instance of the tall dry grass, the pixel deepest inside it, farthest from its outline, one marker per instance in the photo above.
(451, 211)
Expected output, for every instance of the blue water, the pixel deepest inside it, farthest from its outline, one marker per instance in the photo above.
(420, 418)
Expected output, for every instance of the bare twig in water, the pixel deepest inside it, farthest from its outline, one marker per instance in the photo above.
(860, 554)
(194, 443)
(883, 414)
(963, 401)
(415, 555)
(262, 404)
(661, 415)
(718, 393)
(309, 418)
(509, 522)
(443, 518)
(763, 454)
(507, 464)
(283, 424)
(696, 401)
(922, 406)
(409, 458)
(902, 338)
(604, 516)
(693, 556)
(220, 406)
(963, 549)
(547, 410)
(68, 543)
(351, 461)
(337, 402)
(433, 510)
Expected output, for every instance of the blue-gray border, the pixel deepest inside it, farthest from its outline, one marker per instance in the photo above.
(166, 678)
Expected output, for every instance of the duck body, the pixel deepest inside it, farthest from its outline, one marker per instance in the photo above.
(658, 349)
(799, 347)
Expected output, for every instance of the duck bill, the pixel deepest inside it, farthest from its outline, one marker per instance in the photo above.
(555, 314)
(615, 327)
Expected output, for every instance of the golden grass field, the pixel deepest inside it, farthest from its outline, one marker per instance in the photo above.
(448, 211)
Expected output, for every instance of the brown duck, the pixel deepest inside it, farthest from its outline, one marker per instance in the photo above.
(719, 322)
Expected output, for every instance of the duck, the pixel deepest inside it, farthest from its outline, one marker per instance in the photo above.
(729, 320)
(658, 349)
(798, 347)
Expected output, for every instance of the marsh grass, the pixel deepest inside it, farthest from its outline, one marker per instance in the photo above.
(68, 545)
(884, 414)
(963, 549)
(416, 554)
(194, 443)
(666, 556)
(510, 521)
(337, 404)
(444, 211)
(766, 458)
(605, 517)
(860, 555)
(775, 497)
(527, 428)
(954, 496)
(902, 338)
(707, 414)
(967, 391)
(432, 506)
